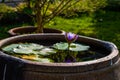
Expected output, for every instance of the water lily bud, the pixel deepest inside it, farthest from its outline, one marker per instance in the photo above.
(71, 37)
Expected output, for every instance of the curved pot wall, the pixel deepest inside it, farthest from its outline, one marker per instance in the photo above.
(31, 29)
(105, 68)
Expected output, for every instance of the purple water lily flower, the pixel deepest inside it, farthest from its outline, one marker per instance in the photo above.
(71, 37)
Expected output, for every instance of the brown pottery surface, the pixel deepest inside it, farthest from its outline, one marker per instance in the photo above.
(105, 68)
(30, 29)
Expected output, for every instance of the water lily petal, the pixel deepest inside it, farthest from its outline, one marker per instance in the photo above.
(71, 37)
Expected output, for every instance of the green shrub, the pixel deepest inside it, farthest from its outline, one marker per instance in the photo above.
(10, 15)
(4, 8)
(84, 6)
(6, 13)
(77, 9)
(24, 9)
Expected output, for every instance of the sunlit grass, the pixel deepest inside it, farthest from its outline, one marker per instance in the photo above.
(104, 25)
(71, 25)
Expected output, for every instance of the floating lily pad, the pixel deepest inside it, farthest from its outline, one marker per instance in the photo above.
(73, 46)
(61, 46)
(78, 47)
(40, 53)
(23, 51)
(32, 46)
(46, 51)
(28, 48)
(9, 48)
(22, 48)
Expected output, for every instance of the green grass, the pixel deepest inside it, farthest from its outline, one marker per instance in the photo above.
(104, 25)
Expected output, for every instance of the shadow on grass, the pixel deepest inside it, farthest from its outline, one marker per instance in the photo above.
(107, 26)
(5, 28)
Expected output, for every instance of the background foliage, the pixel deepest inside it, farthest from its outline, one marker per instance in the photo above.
(95, 18)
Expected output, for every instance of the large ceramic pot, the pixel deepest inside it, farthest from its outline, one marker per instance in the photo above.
(31, 29)
(105, 68)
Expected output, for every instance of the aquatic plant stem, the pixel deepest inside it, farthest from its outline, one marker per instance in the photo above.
(69, 48)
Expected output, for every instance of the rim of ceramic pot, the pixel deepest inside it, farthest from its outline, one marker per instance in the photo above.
(108, 61)
(111, 58)
(15, 31)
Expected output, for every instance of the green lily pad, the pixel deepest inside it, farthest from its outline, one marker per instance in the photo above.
(73, 46)
(61, 46)
(23, 51)
(46, 51)
(32, 46)
(23, 48)
(78, 47)
(33, 49)
(9, 48)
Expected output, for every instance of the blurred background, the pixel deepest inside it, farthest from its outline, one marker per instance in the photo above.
(93, 18)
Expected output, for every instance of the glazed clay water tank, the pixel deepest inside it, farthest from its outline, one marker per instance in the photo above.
(105, 68)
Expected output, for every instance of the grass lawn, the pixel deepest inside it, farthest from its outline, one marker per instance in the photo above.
(103, 25)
